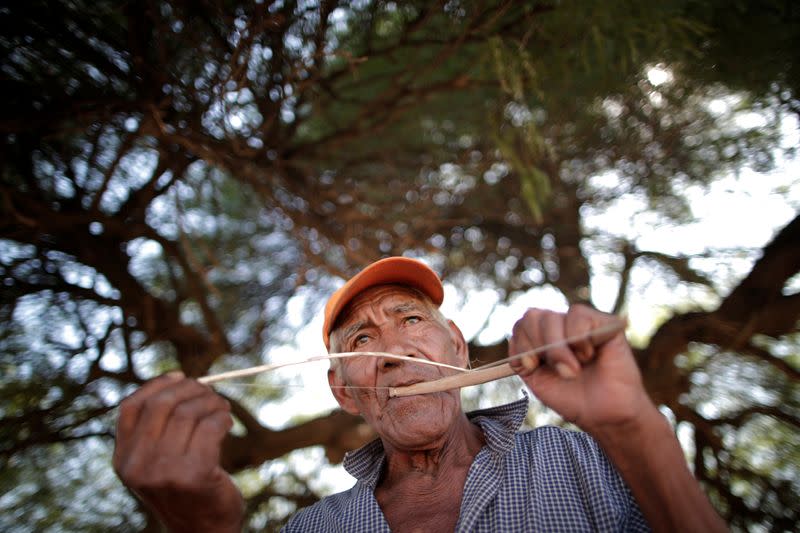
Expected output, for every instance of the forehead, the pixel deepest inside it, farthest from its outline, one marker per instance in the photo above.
(383, 298)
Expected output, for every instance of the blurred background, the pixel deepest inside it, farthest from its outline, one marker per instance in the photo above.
(183, 183)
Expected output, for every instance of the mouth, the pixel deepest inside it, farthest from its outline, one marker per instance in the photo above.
(406, 383)
(400, 383)
(394, 394)
(410, 378)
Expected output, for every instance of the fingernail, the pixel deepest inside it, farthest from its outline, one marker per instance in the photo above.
(564, 371)
(175, 374)
(529, 363)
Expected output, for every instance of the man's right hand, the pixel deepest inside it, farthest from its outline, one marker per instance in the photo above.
(169, 435)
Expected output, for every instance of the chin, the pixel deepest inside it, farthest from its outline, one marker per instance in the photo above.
(418, 422)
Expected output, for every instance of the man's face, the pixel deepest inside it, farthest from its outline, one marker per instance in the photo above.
(395, 319)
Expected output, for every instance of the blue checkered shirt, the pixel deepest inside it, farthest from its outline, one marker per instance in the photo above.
(547, 479)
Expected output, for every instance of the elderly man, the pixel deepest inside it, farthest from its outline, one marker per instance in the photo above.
(435, 468)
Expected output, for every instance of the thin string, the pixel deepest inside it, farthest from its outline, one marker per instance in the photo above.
(608, 328)
(295, 386)
(343, 355)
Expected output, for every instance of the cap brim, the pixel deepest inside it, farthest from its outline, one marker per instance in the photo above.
(392, 270)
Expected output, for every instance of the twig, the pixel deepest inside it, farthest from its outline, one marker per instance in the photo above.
(502, 369)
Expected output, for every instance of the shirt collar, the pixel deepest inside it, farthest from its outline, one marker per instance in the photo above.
(499, 425)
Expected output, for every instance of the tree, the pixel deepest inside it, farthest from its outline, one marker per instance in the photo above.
(174, 173)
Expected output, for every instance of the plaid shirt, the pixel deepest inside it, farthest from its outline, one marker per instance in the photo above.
(547, 479)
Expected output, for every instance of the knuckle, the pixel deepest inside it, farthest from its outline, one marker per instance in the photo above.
(552, 317)
(197, 387)
(221, 403)
(528, 318)
(192, 476)
(584, 312)
(531, 313)
(217, 423)
(160, 402)
(128, 407)
(183, 412)
(582, 308)
(133, 477)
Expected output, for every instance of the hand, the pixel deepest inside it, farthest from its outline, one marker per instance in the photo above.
(594, 383)
(169, 435)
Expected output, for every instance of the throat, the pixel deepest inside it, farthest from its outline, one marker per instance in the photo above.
(421, 490)
(423, 500)
(436, 462)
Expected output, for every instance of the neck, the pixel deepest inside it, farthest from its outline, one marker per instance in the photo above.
(454, 451)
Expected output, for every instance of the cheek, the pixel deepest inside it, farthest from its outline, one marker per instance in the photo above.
(441, 341)
(366, 401)
(362, 377)
(356, 371)
(432, 335)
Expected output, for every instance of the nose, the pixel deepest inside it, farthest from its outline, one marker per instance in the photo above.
(396, 343)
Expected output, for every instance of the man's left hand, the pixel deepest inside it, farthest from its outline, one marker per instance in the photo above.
(595, 382)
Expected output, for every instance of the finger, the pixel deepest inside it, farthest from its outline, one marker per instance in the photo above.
(515, 364)
(527, 331)
(151, 423)
(192, 467)
(130, 409)
(525, 365)
(184, 419)
(199, 468)
(580, 323)
(595, 327)
(614, 328)
(559, 356)
(157, 409)
(525, 338)
(206, 440)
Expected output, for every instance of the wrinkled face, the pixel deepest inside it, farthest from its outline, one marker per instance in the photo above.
(396, 319)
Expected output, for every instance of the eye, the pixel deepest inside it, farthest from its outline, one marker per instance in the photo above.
(412, 319)
(360, 339)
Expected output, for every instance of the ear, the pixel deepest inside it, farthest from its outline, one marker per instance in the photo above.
(341, 394)
(462, 350)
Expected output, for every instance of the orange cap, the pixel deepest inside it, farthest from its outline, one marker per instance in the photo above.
(400, 270)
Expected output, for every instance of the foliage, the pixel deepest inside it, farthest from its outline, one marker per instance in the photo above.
(174, 173)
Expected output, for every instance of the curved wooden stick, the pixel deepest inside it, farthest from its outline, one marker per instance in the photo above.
(476, 377)
(502, 369)
(465, 378)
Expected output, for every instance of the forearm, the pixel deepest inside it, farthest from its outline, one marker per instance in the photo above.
(182, 513)
(651, 461)
(202, 524)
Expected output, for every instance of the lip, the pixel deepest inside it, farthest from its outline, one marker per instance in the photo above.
(400, 380)
(401, 383)
(406, 383)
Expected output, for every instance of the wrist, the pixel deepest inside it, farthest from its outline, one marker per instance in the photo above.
(636, 429)
(225, 515)
(649, 458)
(218, 524)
